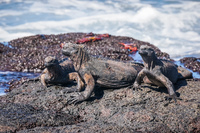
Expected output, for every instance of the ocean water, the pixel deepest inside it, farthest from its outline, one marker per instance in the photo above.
(171, 25)
(6, 76)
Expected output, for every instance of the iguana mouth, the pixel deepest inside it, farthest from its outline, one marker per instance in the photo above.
(49, 64)
(68, 49)
(141, 52)
(65, 50)
(50, 61)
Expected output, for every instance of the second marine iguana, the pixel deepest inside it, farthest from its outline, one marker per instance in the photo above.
(159, 72)
(103, 72)
(59, 73)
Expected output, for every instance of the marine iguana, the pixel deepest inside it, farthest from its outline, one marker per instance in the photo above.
(96, 71)
(159, 72)
(59, 73)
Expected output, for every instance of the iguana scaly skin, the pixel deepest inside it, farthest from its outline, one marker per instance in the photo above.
(159, 72)
(106, 73)
(59, 73)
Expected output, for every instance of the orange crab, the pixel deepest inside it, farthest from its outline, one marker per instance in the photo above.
(131, 46)
(88, 39)
(91, 38)
(104, 35)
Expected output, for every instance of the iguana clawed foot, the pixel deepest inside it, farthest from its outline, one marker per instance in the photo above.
(174, 97)
(77, 97)
(136, 86)
(44, 87)
(70, 90)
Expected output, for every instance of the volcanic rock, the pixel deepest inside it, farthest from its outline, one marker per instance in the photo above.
(32, 108)
(191, 63)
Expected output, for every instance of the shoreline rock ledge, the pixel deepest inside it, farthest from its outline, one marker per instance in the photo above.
(32, 108)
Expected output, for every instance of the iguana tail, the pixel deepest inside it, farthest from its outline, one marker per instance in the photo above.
(184, 73)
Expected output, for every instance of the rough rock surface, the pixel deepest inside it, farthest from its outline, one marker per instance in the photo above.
(15, 117)
(31, 108)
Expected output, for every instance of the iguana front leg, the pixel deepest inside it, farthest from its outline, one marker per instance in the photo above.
(168, 84)
(157, 78)
(43, 77)
(81, 96)
(75, 76)
(139, 79)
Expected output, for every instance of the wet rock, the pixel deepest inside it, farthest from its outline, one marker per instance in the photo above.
(15, 83)
(191, 63)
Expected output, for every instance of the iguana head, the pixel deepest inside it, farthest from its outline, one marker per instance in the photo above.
(147, 53)
(146, 50)
(50, 61)
(69, 49)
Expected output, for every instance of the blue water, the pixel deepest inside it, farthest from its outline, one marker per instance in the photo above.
(6, 76)
(6, 44)
(171, 25)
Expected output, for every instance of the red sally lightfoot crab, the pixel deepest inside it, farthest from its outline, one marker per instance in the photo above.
(131, 46)
(91, 38)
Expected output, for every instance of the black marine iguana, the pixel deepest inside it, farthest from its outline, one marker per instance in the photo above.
(159, 72)
(106, 73)
(59, 73)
